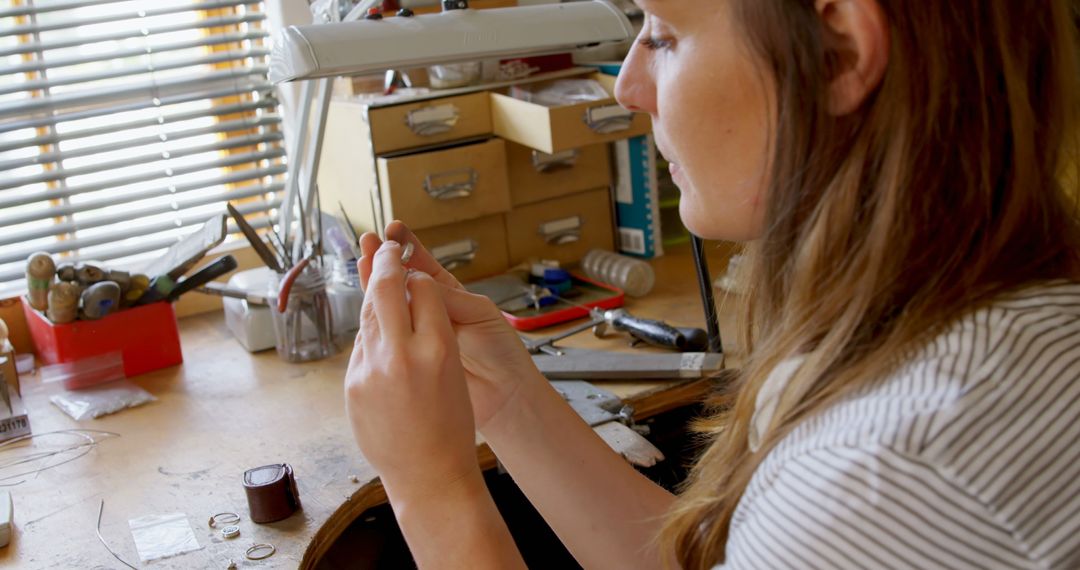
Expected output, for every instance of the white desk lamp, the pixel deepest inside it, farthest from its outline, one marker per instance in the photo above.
(321, 51)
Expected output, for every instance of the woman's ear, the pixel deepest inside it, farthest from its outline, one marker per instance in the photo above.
(857, 45)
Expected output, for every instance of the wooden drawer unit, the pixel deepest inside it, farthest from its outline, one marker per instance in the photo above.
(445, 186)
(434, 121)
(536, 175)
(561, 228)
(555, 129)
(470, 250)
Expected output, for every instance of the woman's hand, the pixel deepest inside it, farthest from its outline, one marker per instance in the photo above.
(497, 365)
(406, 396)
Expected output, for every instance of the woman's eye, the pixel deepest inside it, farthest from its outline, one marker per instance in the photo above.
(652, 43)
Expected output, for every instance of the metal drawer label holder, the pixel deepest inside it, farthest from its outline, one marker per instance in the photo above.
(456, 253)
(607, 119)
(544, 162)
(433, 119)
(562, 231)
(459, 183)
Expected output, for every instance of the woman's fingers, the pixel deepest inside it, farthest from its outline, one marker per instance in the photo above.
(422, 259)
(429, 316)
(385, 294)
(369, 244)
(465, 308)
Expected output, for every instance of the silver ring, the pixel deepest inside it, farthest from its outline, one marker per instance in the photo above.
(223, 518)
(231, 531)
(256, 548)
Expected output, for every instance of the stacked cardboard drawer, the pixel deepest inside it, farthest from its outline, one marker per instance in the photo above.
(486, 181)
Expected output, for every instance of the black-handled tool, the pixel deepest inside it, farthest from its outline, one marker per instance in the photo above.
(215, 269)
(656, 333)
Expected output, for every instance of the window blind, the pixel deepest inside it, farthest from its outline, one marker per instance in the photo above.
(126, 124)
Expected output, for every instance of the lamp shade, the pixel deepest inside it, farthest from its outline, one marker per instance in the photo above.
(365, 46)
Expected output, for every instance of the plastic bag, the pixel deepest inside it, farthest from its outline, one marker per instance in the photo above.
(101, 400)
(162, 536)
(563, 92)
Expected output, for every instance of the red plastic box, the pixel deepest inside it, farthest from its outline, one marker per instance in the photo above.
(146, 336)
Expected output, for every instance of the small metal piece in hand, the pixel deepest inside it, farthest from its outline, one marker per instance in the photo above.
(223, 518)
(406, 255)
(260, 551)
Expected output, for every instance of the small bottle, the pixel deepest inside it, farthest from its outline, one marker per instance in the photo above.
(346, 298)
(630, 274)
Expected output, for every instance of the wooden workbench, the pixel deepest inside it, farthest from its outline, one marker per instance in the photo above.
(225, 410)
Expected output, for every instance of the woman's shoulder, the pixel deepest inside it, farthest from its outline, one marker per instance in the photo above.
(987, 410)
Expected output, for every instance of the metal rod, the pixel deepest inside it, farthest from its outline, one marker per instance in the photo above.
(712, 323)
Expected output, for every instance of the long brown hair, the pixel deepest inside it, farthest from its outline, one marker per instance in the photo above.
(940, 193)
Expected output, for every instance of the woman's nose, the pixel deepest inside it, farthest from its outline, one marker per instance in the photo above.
(635, 88)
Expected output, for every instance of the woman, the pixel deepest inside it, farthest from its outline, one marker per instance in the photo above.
(910, 396)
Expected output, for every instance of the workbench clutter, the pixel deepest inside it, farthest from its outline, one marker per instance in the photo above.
(77, 312)
(14, 421)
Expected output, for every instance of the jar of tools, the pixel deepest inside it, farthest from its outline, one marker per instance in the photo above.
(304, 330)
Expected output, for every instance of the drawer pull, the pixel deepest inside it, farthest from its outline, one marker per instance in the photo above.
(544, 162)
(455, 254)
(432, 120)
(562, 231)
(451, 184)
(608, 119)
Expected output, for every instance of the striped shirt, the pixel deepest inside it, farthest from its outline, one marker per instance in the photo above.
(968, 456)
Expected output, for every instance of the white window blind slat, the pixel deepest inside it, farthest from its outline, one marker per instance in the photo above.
(146, 90)
(117, 14)
(114, 251)
(237, 177)
(136, 142)
(233, 160)
(215, 40)
(153, 159)
(126, 124)
(183, 218)
(263, 89)
(98, 131)
(147, 67)
(126, 33)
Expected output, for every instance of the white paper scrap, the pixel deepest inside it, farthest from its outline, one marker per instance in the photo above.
(162, 536)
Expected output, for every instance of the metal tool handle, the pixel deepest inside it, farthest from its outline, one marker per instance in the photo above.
(432, 120)
(562, 231)
(607, 119)
(544, 162)
(656, 333)
(459, 183)
(456, 254)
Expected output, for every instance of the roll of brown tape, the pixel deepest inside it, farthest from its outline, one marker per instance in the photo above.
(271, 492)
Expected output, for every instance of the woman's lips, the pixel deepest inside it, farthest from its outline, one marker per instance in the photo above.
(676, 172)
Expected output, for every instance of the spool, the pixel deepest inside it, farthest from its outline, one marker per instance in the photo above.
(40, 271)
(121, 278)
(63, 302)
(100, 299)
(88, 274)
(65, 272)
(138, 284)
